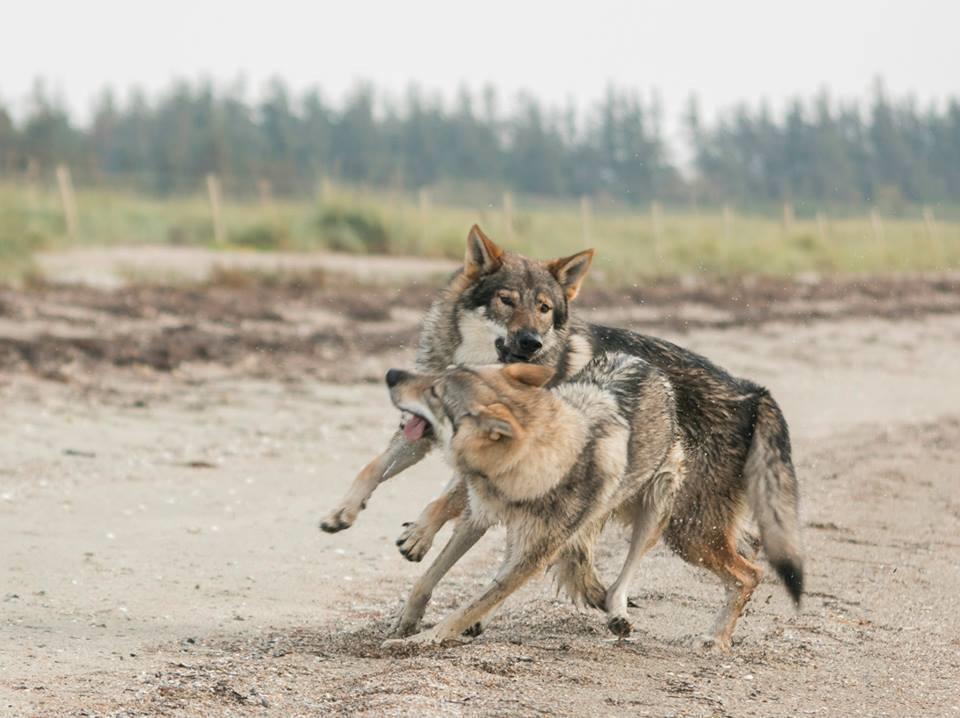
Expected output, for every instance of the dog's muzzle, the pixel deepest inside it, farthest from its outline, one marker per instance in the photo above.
(521, 347)
(395, 376)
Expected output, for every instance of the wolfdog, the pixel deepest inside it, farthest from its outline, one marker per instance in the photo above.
(504, 307)
(553, 465)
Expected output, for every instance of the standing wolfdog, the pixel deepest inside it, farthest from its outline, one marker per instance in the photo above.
(554, 465)
(504, 307)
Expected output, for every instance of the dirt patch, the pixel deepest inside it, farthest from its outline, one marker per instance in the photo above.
(290, 327)
(160, 503)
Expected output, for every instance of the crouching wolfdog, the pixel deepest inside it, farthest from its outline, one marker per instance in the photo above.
(554, 465)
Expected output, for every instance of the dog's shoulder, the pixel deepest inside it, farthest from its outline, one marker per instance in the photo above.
(617, 372)
(604, 385)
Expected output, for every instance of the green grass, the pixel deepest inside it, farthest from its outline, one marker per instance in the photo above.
(627, 245)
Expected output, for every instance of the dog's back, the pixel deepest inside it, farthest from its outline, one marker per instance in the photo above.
(645, 402)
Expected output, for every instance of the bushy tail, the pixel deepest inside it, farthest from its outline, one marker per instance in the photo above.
(575, 574)
(773, 494)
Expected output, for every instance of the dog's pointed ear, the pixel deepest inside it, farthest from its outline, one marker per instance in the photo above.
(570, 271)
(498, 422)
(529, 374)
(483, 256)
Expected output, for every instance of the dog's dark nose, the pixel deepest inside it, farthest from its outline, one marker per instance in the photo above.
(394, 377)
(528, 343)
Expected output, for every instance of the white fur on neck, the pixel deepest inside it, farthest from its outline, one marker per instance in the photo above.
(579, 354)
(477, 336)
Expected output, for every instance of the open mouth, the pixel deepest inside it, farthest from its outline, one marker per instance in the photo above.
(414, 426)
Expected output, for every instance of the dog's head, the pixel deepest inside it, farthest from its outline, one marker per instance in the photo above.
(479, 413)
(523, 302)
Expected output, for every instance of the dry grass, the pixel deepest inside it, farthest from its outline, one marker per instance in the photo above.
(630, 243)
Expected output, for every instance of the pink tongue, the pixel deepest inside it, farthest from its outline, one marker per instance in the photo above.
(414, 428)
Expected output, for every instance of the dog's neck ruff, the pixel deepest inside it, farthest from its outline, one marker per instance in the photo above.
(543, 456)
(478, 336)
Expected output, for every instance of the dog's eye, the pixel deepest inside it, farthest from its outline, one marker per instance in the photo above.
(544, 308)
(506, 299)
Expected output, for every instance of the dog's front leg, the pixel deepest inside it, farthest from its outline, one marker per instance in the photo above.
(512, 575)
(417, 536)
(465, 535)
(400, 455)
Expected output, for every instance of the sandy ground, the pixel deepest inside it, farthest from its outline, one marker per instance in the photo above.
(111, 267)
(167, 455)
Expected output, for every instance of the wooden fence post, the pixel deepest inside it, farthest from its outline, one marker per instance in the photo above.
(933, 236)
(656, 213)
(787, 219)
(822, 227)
(32, 175)
(876, 225)
(930, 228)
(265, 191)
(585, 220)
(216, 209)
(423, 200)
(326, 189)
(727, 224)
(930, 223)
(508, 214)
(67, 201)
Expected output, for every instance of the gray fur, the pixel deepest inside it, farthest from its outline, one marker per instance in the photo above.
(736, 440)
(628, 461)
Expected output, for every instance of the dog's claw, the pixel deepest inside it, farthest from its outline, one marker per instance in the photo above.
(619, 626)
(414, 542)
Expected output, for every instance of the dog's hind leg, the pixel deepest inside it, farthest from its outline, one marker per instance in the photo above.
(749, 544)
(417, 536)
(740, 577)
(648, 525)
(465, 535)
(400, 454)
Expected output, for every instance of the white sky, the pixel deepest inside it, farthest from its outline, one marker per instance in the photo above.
(724, 51)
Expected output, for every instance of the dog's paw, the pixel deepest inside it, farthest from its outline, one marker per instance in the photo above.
(473, 631)
(711, 643)
(404, 626)
(619, 626)
(422, 640)
(338, 520)
(415, 541)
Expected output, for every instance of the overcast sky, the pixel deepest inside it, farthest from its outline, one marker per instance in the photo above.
(725, 52)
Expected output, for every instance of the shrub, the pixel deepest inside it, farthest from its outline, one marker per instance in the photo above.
(19, 239)
(352, 229)
(190, 231)
(262, 235)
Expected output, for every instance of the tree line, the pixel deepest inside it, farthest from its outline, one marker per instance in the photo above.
(818, 151)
